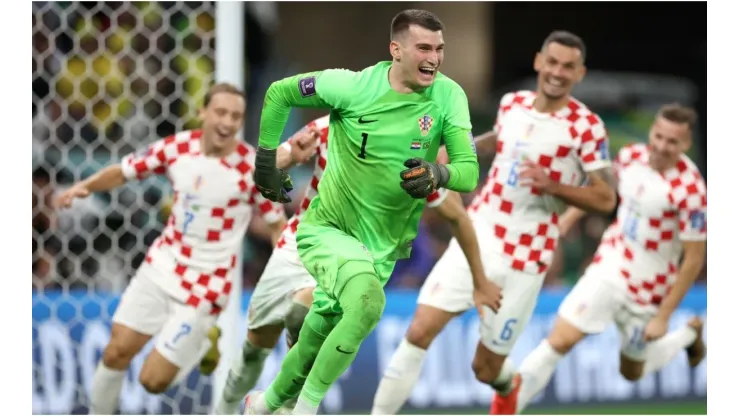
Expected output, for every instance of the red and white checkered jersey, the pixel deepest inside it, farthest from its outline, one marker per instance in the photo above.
(656, 214)
(568, 144)
(287, 239)
(213, 201)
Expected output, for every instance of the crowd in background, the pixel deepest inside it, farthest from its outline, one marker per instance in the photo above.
(107, 79)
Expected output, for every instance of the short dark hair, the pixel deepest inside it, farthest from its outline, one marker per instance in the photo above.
(222, 87)
(565, 38)
(423, 18)
(679, 114)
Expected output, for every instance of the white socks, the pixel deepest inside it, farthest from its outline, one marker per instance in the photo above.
(536, 371)
(503, 383)
(106, 390)
(662, 351)
(399, 379)
(538, 367)
(243, 376)
(303, 407)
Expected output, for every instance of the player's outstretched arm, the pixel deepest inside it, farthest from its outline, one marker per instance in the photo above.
(692, 216)
(153, 160)
(598, 195)
(272, 214)
(691, 266)
(331, 88)
(299, 149)
(569, 218)
(106, 179)
(276, 230)
(453, 210)
(599, 192)
(485, 145)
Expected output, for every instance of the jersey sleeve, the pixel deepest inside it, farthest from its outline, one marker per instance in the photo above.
(154, 160)
(272, 212)
(594, 143)
(463, 167)
(457, 113)
(331, 88)
(625, 156)
(435, 199)
(692, 212)
(502, 108)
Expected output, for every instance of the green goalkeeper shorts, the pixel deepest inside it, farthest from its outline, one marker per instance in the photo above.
(333, 257)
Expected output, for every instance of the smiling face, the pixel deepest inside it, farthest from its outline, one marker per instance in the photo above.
(559, 68)
(222, 117)
(419, 52)
(668, 140)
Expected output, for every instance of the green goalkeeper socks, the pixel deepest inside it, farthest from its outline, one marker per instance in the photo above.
(362, 301)
(297, 362)
(317, 360)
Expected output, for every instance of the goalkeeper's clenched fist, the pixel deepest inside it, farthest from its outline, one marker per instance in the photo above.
(422, 178)
(273, 183)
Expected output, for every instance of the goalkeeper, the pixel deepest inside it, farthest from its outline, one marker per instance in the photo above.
(387, 119)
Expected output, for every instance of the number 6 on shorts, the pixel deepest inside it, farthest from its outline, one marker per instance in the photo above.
(508, 331)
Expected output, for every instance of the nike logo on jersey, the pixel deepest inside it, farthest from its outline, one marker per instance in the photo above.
(339, 348)
(361, 121)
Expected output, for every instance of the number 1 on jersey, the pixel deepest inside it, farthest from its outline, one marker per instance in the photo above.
(362, 154)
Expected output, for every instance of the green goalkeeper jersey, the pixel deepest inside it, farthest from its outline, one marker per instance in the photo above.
(373, 129)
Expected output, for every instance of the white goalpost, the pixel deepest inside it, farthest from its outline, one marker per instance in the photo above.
(229, 68)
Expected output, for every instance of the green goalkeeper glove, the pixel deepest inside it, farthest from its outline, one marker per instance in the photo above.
(422, 178)
(273, 183)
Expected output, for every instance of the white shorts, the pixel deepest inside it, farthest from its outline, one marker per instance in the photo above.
(271, 300)
(594, 303)
(449, 287)
(182, 330)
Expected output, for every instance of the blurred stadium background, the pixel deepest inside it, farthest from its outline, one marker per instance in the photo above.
(110, 77)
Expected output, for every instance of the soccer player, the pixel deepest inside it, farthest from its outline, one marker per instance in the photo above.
(284, 293)
(547, 144)
(635, 279)
(366, 214)
(185, 280)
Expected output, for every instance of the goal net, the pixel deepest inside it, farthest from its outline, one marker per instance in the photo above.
(107, 79)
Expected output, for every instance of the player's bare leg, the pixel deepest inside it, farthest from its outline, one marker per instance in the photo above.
(123, 346)
(293, 322)
(247, 367)
(662, 351)
(537, 369)
(404, 368)
(157, 373)
(494, 369)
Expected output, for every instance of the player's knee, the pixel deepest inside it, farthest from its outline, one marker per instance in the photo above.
(153, 381)
(427, 323)
(485, 366)
(363, 300)
(294, 321)
(630, 370)
(420, 334)
(153, 384)
(564, 336)
(304, 296)
(117, 356)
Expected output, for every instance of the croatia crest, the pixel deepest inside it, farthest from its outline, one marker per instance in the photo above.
(425, 124)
